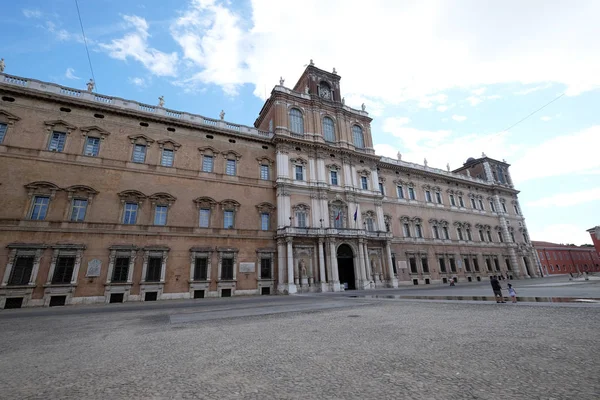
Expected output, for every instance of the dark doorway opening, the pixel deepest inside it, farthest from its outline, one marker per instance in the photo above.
(265, 291)
(13, 302)
(345, 259)
(151, 296)
(56, 301)
(198, 294)
(116, 297)
(225, 292)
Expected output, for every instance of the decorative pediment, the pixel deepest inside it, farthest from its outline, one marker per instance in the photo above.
(433, 221)
(416, 220)
(381, 179)
(436, 189)
(301, 207)
(333, 166)
(299, 160)
(459, 192)
(443, 222)
(450, 191)
(498, 228)
(132, 196)
(369, 214)
(59, 124)
(265, 207)
(5, 116)
(427, 187)
(264, 160)
(467, 225)
(162, 198)
(140, 139)
(478, 226)
(208, 151)
(458, 224)
(168, 144)
(387, 218)
(231, 154)
(337, 201)
(87, 130)
(42, 187)
(230, 204)
(81, 191)
(364, 172)
(204, 202)
(405, 219)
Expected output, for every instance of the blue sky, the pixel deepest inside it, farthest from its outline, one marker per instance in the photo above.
(442, 80)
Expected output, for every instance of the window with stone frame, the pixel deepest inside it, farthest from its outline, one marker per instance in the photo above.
(476, 264)
(265, 210)
(296, 121)
(488, 233)
(364, 183)
(57, 141)
(205, 207)
(438, 195)
(480, 202)
(207, 158)
(412, 262)
(121, 262)
(200, 268)
(301, 215)
(400, 191)
(406, 226)
(168, 148)
(265, 165)
(418, 230)
(333, 178)
(227, 265)
(58, 131)
(452, 264)
(229, 208)
(503, 204)
(265, 262)
(511, 232)
(369, 221)
(358, 137)
(411, 193)
(155, 264)
(488, 265)
(64, 267)
(328, 130)
(467, 264)
(121, 269)
(481, 236)
(452, 200)
(436, 232)
(337, 214)
(492, 206)
(93, 136)
(461, 202)
(473, 204)
(468, 232)
(23, 264)
(496, 264)
(442, 264)
(131, 202)
(40, 195)
(428, 196)
(6, 121)
(425, 264)
(516, 207)
(387, 219)
(79, 200)
(161, 203)
(141, 144)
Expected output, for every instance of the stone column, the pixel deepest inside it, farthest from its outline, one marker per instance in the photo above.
(335, 278)
(291, 287)
(367, 262)
(322, 276)
(393, 281)
(281, 266)
(361, 264)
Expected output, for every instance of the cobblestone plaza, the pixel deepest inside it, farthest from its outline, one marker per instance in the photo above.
(317, 346)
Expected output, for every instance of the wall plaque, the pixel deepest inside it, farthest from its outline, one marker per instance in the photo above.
(246, 267)
(94, 267)
(402, 265)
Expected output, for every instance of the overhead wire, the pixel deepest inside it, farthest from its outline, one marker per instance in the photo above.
(86, 46)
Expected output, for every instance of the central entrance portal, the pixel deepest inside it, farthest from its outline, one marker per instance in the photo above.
(345, 261)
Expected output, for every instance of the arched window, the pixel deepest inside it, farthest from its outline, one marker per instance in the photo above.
(328, 130)
(357, 134)
(296, 121)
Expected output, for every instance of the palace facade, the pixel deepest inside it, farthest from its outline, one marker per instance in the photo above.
(110, 200)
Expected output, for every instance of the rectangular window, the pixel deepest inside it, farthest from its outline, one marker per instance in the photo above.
(481, 205)
(469, 237)
(160, 215)
(231, 168)
(364, 184)
(400, 192)
(301, 219)
(167, 158)
(516, 209)
(121, 270)
(489, 236)
(411, 193)
(496, 264)
(207, 164)
(436, 232)
(153, 269)
(492, 206)
(370, 225)
(228, 219)
(473, 204)
(334, 178)
(428, 196)
(413, 265)
(446, 233)
(442, 265)
(227, 269)
(452, 265)
(481, 235)
(512, 237)
(381, 188)
(39, 208)
(406, 228)
(264, 172)
(139, 153)
(503, 206)
(130, 213)
(438, 197)
(78, 210)
(63, 270)
(460, 234)
(200, 269)
(299, 173)
(204, 218)
(57, 141)
(425, 264)
(452, 201)
(265, 268)
(488, 266)
(467, 265)
(21, 271)
(3, 128)
(264, 221)
(418, 230)
(460, 201)
(476, 265)
(92, 147)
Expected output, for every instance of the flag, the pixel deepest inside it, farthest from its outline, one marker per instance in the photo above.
(355, 214)
(338, 216)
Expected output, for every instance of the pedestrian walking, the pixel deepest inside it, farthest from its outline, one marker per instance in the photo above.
(512, 293)
(497, 289)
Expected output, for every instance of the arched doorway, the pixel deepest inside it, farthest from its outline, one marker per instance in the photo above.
(345, 261)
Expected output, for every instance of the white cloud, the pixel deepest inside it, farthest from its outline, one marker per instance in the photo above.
(473, 100)
(459, 118)
(493, 97)
(442, 108)
(533, 89)
(32, 13)
(577, 152)
(137, 81)
(567, 199)
(560, 233)
(63, 35)
(473, 52)
(70, 74)
(479, 91)
(546, 118)
(135, 45)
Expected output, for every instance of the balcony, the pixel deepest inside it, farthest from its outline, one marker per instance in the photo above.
(344, 232)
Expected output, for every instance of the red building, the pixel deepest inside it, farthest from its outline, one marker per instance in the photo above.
(562, 259)
(595, 234)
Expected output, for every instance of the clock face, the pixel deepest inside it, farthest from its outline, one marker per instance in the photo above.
(325, 93)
